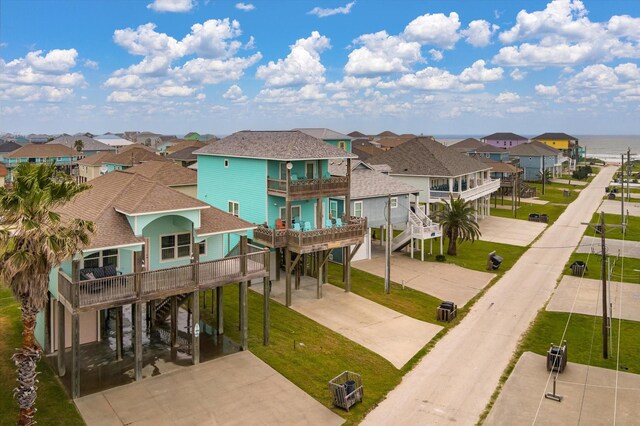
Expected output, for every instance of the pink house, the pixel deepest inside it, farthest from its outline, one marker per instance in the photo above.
(504, 140)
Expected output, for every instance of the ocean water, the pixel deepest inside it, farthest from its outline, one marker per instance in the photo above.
(605, 147)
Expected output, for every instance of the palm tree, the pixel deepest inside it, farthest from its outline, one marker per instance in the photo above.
(78, 145)
(33, 240)
(458, 223)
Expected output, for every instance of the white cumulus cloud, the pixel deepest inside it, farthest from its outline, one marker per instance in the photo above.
(479, 32)
(171, 5)
(436, 54)
(543, 90)
(247, 7)
(234, 94)
(301, 66)
(323, 12)
(507, 97)
(435, 29)
(518, 74)
(382, 54)
(478, 72)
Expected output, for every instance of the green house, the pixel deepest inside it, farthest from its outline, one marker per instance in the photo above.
(280, 181)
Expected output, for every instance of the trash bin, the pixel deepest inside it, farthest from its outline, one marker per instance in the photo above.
(611, 196)
(349, 387)
(447, 311)
(557, 357)
(496, 261)
(578, 268)
(534, 217)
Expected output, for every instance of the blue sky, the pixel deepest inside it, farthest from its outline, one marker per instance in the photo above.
(217, 66)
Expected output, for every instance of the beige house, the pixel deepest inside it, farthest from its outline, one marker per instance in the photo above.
(89, 167)
(169, 174)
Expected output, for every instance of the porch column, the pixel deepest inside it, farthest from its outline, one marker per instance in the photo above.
(451, 184)
(319, 209)
(475, 207)
(61, 341)
(244, 317)
(278, 262)
(287, 262)
(75, 355)
(119, 333)
(174, 321)
(320, 256)
(195, 333)
(266, 282)
(347, 214)
(220, 310)
(75, 337)
(137, 349)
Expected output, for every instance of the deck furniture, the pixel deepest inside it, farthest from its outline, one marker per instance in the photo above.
(280, 224)
(296, 226)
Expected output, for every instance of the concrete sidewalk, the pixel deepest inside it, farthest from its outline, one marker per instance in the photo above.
(614, 247)
(236, 389)
(392, 335)
(454, 382)
(442, 280)
(589, 396)
(570, 182)
(589, 298)
(510, 231)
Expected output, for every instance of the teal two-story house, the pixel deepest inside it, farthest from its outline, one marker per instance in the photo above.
(154, 248)
(65, 158)
(280, 181)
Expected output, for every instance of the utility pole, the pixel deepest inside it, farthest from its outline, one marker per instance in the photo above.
(622, 195)
(605, 320)
(628, 175)
(387, 254)
(544, 174)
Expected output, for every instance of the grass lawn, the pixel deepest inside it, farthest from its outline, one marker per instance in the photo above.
(582, 331)
(554, 192)
(407, 301)
(309, 354)
(54, 406)
(628, 274)
(633, 228)
(474, 255)
(552, 210)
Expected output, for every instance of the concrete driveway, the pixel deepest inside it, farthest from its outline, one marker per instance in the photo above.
(615, 207)
(589, 396)
(510, 231)
(442, 280)
(454, 382)
(615, 247)
(237, 389)
(392, 335)
(585, 297)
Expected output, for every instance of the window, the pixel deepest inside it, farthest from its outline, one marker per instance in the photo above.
(358, 210)
(234, 208)
(176, 246)
(310, 170)
(394, 202)
(342, 145)
(283, 170)
(295, 212)
(102, 258)
(202, 248)
(226, 164)
(333, 209)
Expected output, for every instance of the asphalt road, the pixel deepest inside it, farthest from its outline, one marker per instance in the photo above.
(455, 381)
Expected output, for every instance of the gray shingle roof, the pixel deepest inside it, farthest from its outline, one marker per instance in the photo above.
(9, 146)
(185, 154)
(467, 145)
(324, 134)
(504, 137)
(557, 136)
(367, 182)
(274, 145)
(90, 144)
(424, 156)
(534, 149)
(490, 149)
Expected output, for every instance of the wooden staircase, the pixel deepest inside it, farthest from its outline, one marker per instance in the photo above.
(163, 309)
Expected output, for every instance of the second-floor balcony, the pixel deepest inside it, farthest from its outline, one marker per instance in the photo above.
(300, 189)
(143, 286)
(470, 191)
(307, 241)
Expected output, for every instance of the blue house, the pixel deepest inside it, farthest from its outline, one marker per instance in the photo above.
(332, 137)
(492, 152)
(534, 157)
(154, 248)
(64, 157)
(280, 180)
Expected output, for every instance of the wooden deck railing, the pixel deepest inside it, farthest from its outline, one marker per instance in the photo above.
(309, 188)
(356, 227)
(150, 285)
